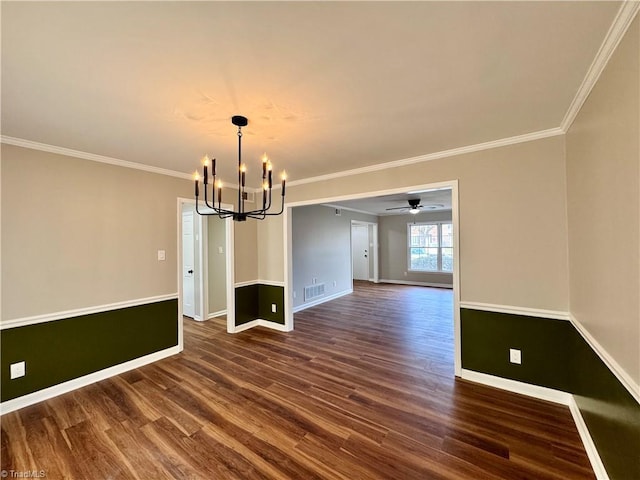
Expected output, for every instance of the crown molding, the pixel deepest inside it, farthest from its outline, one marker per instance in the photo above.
(627, 12)
(20, 142)
(527, 137)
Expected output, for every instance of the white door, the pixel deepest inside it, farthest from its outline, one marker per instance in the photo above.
(360, 251)
(188, 257)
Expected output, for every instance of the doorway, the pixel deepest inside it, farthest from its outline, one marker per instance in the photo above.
(451, 185)
(205, 264)
(364, 250)
(189, 247)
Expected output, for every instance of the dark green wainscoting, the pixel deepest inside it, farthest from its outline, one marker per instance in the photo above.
(63, 350)
(555, 355)
(254, 302)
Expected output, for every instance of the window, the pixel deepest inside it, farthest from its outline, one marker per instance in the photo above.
(430, 247)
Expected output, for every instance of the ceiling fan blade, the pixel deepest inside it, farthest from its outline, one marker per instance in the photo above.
(398, 208)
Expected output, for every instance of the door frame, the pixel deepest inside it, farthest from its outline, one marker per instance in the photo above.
(455, 219)
(203, 284)
(372, 236)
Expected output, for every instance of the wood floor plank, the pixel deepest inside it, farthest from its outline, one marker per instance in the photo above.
(362, 389)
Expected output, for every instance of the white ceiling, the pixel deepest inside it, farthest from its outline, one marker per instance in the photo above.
(431, 201)
(327, 86)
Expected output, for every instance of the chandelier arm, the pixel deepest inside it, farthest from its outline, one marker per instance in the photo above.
(206, 201)
(281, 208)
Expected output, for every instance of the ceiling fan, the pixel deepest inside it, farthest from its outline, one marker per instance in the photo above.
(414, 206)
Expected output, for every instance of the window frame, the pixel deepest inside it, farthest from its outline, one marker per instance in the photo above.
(439, 224)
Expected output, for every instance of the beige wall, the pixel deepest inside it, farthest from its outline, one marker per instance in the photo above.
(322, 249)
(246, 253)
(270, 259)
(603, 177)
(392, 235)
(77, 233)
(513, 232)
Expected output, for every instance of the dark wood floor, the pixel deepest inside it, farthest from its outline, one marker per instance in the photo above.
(362, 389)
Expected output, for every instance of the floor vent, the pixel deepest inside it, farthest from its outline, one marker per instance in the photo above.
(313, 291)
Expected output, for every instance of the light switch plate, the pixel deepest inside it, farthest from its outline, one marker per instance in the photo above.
(220, 250)
(515, 356)
(17, 370)
(161, 255)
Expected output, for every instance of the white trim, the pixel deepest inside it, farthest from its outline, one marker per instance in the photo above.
(535, 391)
(20, 142)
(527, 312)
(48, 317)
(287, 229)
(258, 322)
(621, 23)
(319, 301)
(587, 441)
(70, 385)
(417, 284)
(622, 376)
(527, 137)
(219, 313)
(273, 283)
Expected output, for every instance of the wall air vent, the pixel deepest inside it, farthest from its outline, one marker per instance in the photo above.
(250, 197)
(313, 291)
(338, 212)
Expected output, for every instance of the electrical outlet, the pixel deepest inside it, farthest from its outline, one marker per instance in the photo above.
(515, 356)
(294, 294)
(161, 255)
(335, 283)
(18, 370)
(220, 250)
(274, 308)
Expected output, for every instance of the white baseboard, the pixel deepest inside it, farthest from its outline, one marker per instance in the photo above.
(304, 306)
(261, 323)
(543, 393)
(417, 284)
(219, 313)
(550, 395)
(587, 441)
(68, 386)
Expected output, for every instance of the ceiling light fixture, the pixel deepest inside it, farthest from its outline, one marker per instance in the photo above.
(241, 214)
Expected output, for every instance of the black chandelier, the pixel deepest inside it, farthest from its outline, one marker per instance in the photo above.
(267, 182)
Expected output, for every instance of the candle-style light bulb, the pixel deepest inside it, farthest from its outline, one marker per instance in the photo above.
(205, 163)
(284, 180)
